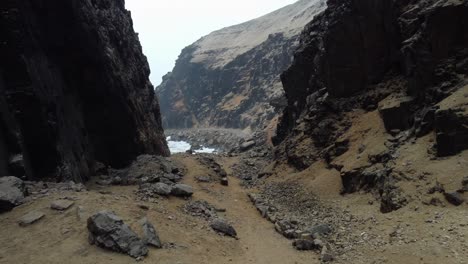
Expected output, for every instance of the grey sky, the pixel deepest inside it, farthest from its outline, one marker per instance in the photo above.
(167, 26)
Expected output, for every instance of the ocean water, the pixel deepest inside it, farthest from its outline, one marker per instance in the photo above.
(182, 147)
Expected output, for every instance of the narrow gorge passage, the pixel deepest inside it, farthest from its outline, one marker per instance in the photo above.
(310, 131)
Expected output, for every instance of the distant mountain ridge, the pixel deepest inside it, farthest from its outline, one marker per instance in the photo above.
(230, 78)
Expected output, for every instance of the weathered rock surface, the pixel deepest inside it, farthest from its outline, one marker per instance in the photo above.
(222, 226)
(74, 89)
(182, 190)
(30, 218)
(12, 191)
(305, 244)
(392, 199)
(108, 231)
(150, 236)
(162, 189)
(61, 205)
(201, 209)
(230, 78)
(319, 230)
(147, 169)
(454, 198)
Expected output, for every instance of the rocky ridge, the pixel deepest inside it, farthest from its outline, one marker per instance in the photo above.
(230, 78)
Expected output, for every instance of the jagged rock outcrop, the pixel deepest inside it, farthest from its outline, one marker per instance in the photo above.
(402, 58)
(359, 47)
(230, 78)
(74, 88)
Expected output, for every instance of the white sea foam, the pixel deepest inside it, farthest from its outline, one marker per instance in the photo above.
(178, 146)
(182, 147)
(205, 150)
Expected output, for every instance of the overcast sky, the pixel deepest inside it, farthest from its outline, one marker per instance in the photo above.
(167, 26)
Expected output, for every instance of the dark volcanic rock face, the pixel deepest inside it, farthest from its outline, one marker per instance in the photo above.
(230, 78)
(408, 59)
(348, 47)
(74, 88)
(357, 52)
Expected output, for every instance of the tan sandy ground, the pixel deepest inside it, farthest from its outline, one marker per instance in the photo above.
(62, 237)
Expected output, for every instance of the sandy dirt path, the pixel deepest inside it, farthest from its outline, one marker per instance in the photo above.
(61, 237)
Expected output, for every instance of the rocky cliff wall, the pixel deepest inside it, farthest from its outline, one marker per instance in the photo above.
(362, 51)
(230, 78)
(405, 61)
(74, 88)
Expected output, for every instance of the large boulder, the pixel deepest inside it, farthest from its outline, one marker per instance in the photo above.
(451, 123)
(108, 231)
(395, 112)
(12, 193)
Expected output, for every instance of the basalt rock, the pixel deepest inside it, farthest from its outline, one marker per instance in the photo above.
(74, 88)
(108, 231)
(406, 59)
(351, 45)
(395, 112)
